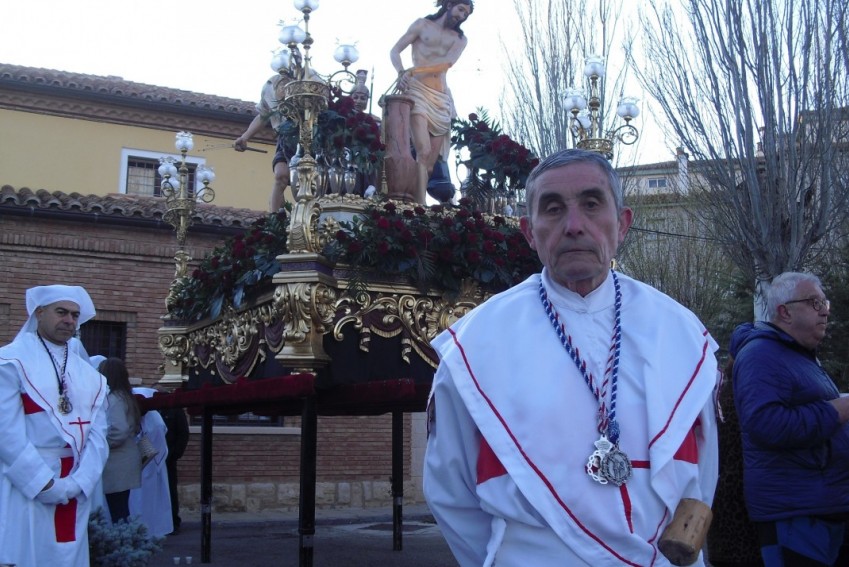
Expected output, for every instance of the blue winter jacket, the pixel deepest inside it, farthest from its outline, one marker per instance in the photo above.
(795, 451)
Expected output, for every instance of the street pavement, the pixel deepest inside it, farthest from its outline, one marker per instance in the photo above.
(343, 538)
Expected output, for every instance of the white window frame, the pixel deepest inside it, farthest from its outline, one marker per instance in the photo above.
(659, 183)
(127, 153)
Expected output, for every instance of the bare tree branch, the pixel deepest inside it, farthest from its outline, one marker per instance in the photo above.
(756, 91)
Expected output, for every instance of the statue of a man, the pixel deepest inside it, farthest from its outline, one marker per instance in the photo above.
(436, 42)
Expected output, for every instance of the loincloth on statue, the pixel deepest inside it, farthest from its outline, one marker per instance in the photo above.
(436, 105)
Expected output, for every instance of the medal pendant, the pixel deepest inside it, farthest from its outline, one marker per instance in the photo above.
(594, 464)
(64, 405)
(616, 466)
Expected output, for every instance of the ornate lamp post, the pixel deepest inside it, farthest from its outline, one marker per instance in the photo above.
(304, 98)
(586, 114)
(180, 201)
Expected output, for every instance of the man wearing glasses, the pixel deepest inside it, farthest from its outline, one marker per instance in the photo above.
(794, 428)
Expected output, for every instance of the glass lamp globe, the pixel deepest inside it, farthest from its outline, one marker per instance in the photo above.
(308, 5)
(291, 34)
(205, 174)
(167, 167)
(184, 141)
(574, 99)
(280, 60)
(628, 108)
(346, 54)
(594, 66)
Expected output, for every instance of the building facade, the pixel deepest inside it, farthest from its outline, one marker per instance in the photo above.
(79, 205)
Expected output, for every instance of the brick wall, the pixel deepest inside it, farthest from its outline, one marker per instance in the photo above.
(127, 271)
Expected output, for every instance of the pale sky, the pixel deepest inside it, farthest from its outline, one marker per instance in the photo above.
(225, 49)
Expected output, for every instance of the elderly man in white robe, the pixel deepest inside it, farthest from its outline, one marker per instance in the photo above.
(52, 433)
(571, 433)
(151, 502)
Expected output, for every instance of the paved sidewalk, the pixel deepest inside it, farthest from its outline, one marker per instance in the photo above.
(343, 538)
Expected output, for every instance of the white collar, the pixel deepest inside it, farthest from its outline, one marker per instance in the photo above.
(599, 299)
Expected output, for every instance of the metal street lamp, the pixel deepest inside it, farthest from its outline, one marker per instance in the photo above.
(586, 123)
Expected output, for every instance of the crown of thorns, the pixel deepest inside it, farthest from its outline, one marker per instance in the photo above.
(446, 3)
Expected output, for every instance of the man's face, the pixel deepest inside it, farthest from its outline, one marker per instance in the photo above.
(801, 321)
(57, 322)
(574, 226)
(360, 100)
(457, 14)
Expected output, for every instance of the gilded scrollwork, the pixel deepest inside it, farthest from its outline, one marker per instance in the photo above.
(232, 344)
(292, 322)
(418, 318)
(305, 308)
(176, 348)
(303, 230)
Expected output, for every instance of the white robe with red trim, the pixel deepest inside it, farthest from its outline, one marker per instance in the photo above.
(513, 424)
(37, 443)
(151, 502)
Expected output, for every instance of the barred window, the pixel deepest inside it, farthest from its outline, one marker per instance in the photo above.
(140, 173)
(143, 177)
(107, 338)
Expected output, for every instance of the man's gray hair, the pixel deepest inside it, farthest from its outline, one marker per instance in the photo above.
(570, 157)
(783, 289)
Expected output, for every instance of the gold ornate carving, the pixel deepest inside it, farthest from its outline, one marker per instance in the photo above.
(307, 310)
(417, 318)
(307, 304)
(233, 336)
(175, 347)
(303, 233)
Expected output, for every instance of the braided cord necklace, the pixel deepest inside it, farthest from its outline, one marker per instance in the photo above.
(607, 464)
(64, 406)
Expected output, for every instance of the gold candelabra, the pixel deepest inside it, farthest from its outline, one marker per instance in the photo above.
(586, 121)
(305, 96)
(180, 199)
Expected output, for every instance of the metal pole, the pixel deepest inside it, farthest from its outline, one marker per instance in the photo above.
(206, 486)
(397, 479)
(306, 509)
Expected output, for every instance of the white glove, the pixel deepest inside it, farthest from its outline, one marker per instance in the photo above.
(62, 490)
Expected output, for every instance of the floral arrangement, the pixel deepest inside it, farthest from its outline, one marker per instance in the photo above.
(436, 246)
(123, 544)
(432, 247)
(343, 131)
(493, 156)
(232, 270)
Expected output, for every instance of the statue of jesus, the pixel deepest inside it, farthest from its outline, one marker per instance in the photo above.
(436, 43)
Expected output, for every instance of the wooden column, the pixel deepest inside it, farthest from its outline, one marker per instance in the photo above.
(399, 165)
